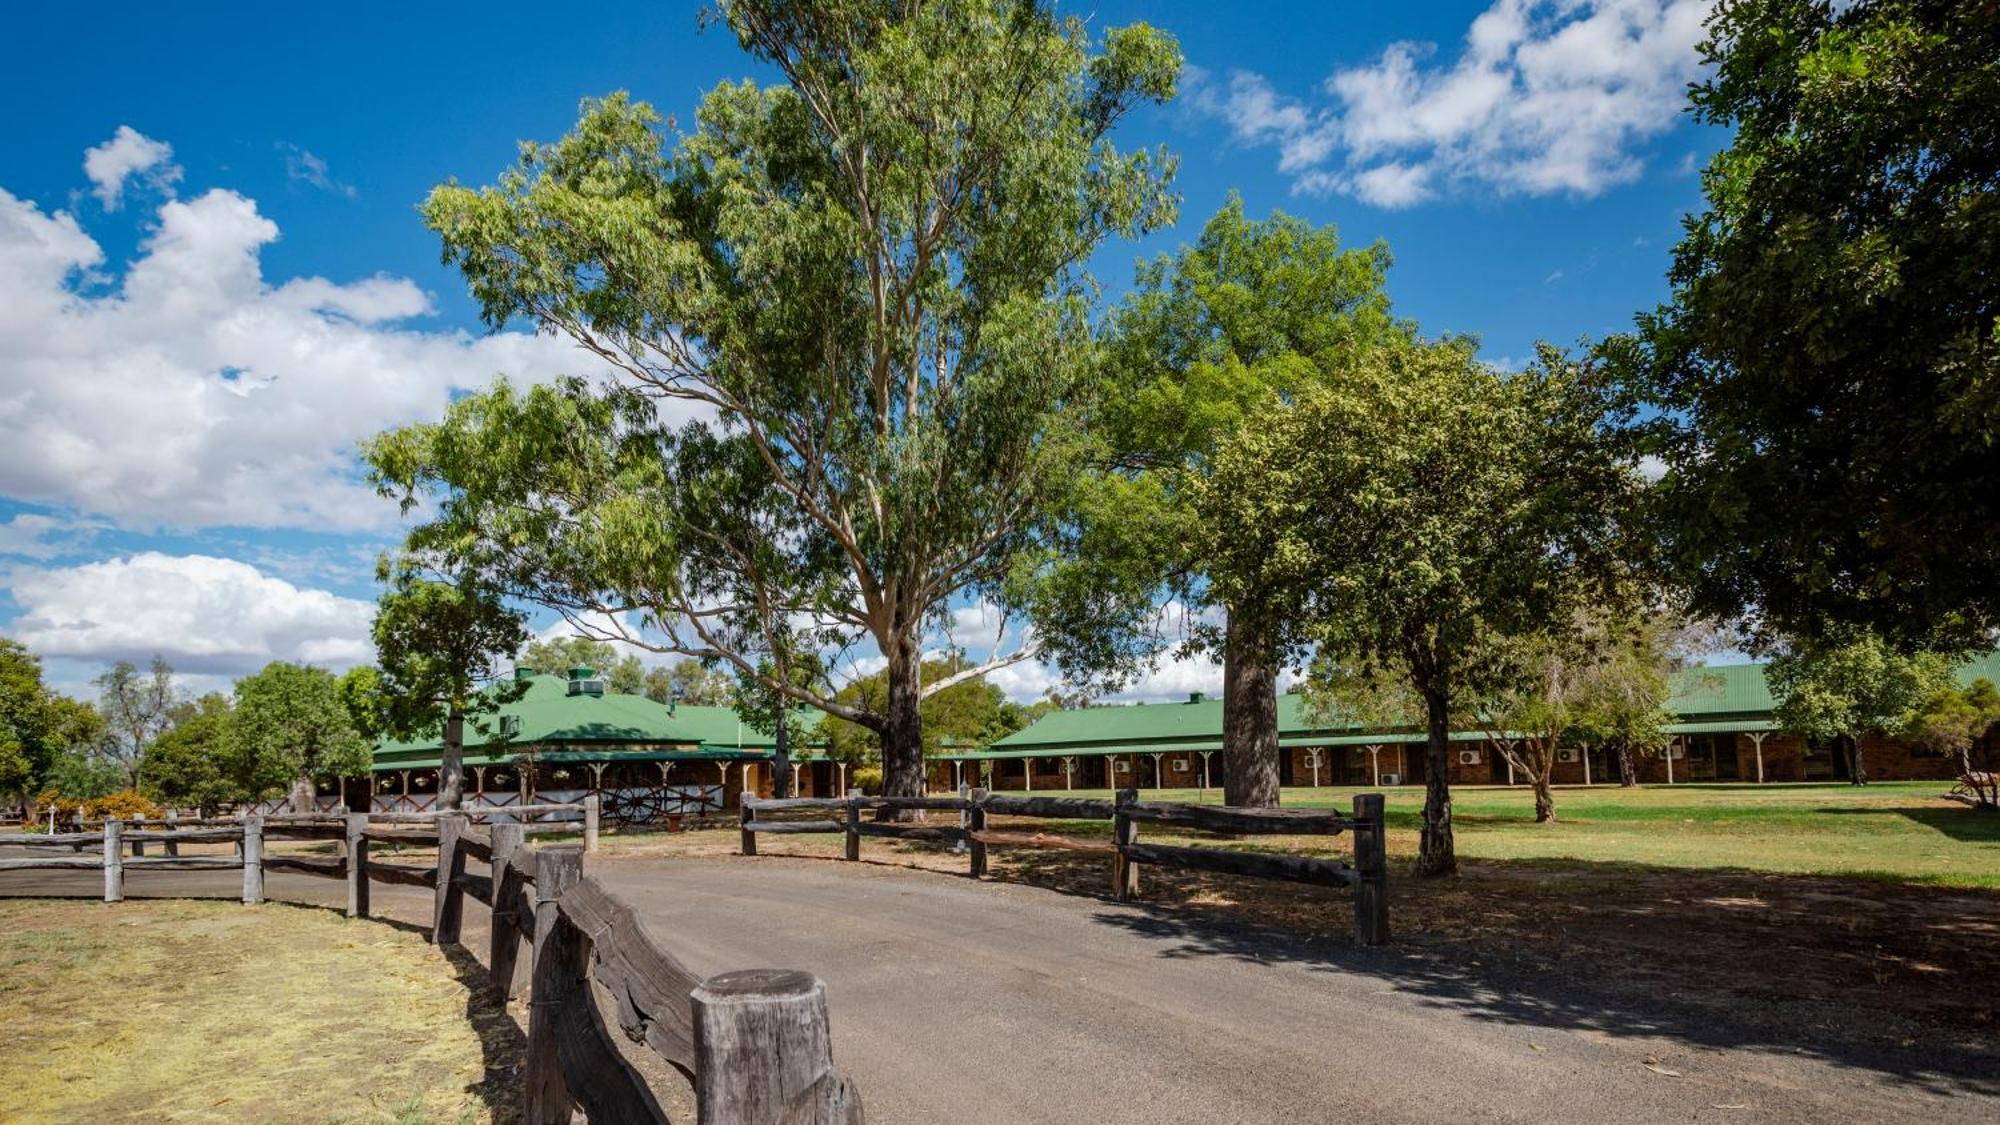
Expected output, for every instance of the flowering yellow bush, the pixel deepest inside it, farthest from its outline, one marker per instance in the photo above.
(122, 805)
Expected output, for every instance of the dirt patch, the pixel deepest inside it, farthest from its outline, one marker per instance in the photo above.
(203, 1011)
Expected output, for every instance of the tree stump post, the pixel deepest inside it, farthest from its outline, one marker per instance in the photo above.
(114, 861)
(764, 1053)
(591, 805)
(854, 824)
(507, 883)
(548, 1098)
(253, 860)
(743, 817)
(357, 865)
(1371, 863)
(1124, 833)
(975, 823)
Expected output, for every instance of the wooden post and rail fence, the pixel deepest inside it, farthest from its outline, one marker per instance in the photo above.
(1367, 876)
(754, 1044)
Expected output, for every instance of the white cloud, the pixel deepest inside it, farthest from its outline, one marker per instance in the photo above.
(31, 535)
(305, 167)
(1545, 97)
(204, 614)
(191, 392)
(128, 153)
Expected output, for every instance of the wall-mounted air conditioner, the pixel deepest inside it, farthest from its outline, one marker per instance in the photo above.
(1121, 767)
(1468, 757)
(1566, 754)
(1392, 779)
(1182, 765)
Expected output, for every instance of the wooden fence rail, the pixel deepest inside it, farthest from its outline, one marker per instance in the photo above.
(1367, 876)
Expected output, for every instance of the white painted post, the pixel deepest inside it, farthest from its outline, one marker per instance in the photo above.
(1757, 738)
(1585, 751)
(1375, 765)
(1204, 769)
(1670, 758)
(1159, 782)
(1069, 772)
(1028, 774)
(1312, 759)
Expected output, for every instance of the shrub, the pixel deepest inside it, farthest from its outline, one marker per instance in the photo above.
(122, 805)
(868, 779)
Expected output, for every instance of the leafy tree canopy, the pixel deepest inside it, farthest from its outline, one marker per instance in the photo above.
(191, 764)
(967, 715)
(868, 279)
(1844, 691)
(291, 726)
(138, 706)
(1829, 363)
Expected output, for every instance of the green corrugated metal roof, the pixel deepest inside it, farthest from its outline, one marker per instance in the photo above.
(548, 716)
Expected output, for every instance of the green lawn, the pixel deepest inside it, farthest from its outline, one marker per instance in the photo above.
(1899, 831)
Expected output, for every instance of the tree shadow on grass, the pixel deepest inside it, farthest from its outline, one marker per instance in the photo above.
(1966, 824)
(1887, 978)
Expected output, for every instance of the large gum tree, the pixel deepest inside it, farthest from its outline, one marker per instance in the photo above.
(865, 284)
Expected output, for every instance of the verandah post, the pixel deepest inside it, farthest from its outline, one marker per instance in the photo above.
(253, 860)
(357, 865)
(1371, 864)
(508, 837)
(547, 1096)
(448, 904)
(114, 861)
(764, 1052)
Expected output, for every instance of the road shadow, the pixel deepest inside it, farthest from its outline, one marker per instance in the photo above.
(1893, 979)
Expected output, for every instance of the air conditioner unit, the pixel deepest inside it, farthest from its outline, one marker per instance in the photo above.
(1566, 754)
(1392, 779)
(1468, 757)
(1182, 765)
(1121, 767)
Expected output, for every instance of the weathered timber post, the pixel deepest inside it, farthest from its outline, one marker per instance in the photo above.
(1371, 863)
(763, 1052)
(448, 904)
(854, 824)
(114, 861)
(139, 824)
(976, 824)
(253, 860)
(749, 845)
(507, 883)
(547, 1097)
(591, 805)
(173, 825)
(1124, 833)
(357, 865)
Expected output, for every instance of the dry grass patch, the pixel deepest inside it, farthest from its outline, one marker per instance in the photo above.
(210, 1011)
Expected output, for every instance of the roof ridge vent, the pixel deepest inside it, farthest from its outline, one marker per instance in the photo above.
(1197, 697)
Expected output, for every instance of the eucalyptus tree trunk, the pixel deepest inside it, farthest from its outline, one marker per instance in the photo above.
(1857, 770)
(304, 797)
(451, 763)
(1545, 800)
(1628, 769)
(1436, 852)
(903, 726)
(1249, 713)
(781, 752)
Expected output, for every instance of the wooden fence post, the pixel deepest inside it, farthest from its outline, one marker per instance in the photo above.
(507, 883)
(591, 805)
(854, 824)
(114, 861)
(547, 1096)
(975, 822)
(763, 1052)
(743, 815)
(253, 860)
(139, 824)
(357, 865)
(1124, 833)
(173, 825)
(448, 905)
(1371, 863)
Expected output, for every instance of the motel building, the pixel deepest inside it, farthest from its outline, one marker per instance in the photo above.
(568, 737)
(1723, 732)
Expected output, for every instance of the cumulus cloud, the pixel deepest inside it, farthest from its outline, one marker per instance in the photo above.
(32, 535)
(1545, 97)
(192, 392)
(128, 153)
(204, 614)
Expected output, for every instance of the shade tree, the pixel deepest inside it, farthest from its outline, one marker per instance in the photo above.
(292, 729)
(1836, 692)
(865, 282)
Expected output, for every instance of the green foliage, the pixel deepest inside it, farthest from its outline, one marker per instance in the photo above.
(290, 723)
(690, 682)
(967, 715)
(82, 773)
(190, 766)
(557, 655)
(437, 645)
(1844, 691)
(28, 735)
(1829, 364)
(137, 707)
(1952, 719)
(870, 275)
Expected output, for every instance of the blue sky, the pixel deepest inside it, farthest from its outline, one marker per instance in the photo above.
(200, 319)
